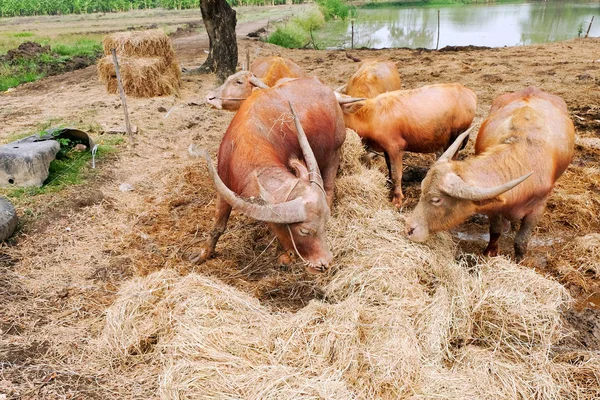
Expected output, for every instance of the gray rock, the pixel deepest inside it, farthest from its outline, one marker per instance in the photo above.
(8, 219)
(26, 163)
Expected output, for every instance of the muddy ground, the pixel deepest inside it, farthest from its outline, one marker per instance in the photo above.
(75, 248)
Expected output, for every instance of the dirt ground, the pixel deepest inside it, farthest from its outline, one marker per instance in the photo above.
(75, 248)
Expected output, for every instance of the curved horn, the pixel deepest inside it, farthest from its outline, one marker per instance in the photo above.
(257, 82)
(309, 156)
(341, 88)
(345, 99)
(451, 151)
(456, 187)
(282, 213)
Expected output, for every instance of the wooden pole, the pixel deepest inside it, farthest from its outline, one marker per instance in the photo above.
(247, 59)
(438, 35)
(122, 93)
(352, 22)
(589, 27)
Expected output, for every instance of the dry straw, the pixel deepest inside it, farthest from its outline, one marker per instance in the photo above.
(147, 63)
(150, 43)
(397, 320)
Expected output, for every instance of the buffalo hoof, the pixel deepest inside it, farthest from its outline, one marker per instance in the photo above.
(397, 201)
(200, 256)
(490, 252)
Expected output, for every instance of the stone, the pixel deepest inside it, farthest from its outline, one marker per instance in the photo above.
(25, 163)
(8, 219)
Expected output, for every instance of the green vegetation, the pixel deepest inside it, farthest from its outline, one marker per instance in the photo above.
(332, 9)
(298, 32)
(37, 61)
(16, 8)
(81, 48)
(69, 168)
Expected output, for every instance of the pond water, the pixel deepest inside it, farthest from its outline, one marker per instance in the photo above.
(491, 24)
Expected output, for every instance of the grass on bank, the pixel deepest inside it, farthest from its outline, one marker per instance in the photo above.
(298, 32)
(16, 71)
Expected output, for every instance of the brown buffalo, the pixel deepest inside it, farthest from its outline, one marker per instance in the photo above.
(269, 169)
(264, 72)
(372, 78)
(528, 133)
(423, 120)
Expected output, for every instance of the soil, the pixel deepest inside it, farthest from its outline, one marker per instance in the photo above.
(32, 51)
(74, 248)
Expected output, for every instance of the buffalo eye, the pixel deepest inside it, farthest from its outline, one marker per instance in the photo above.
(304, 232)
(436, 201)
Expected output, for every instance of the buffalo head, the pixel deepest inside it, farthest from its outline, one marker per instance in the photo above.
(237, 88)
(299, 222)
(447, 200)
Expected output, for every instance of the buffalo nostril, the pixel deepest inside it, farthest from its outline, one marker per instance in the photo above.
(410, 231)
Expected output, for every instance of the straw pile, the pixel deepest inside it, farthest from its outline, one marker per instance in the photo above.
(147, 63)
(397, 320)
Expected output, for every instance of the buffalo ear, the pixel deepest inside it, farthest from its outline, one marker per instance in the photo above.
(300, 169)
(351, 108)
(496, 201)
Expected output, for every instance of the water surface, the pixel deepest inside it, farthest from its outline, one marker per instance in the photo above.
(491, 24)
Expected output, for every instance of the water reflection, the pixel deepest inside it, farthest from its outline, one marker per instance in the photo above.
(492, 25)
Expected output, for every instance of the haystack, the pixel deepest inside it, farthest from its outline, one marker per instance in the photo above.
(397, 320)
(147, 63)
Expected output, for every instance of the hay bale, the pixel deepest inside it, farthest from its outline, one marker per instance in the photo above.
(518, 310)
(144, 44)
(398, 320)
(221, 348)
(142, 77)
(134, 322)
(352, 153)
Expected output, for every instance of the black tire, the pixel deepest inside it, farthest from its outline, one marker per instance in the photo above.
(8, 219)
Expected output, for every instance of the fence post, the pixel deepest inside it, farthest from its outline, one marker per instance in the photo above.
(438, 35)
(352, 22)
(589, 27)
(122, 94)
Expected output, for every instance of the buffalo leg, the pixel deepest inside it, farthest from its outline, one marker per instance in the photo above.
(389, 167)
(396, 175)
(522, 237)
(207, 249)
(496, 227)
(329, 178)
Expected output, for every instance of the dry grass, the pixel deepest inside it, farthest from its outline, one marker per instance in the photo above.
(147, 64)
(150, 43)
(142, 77)
(396, 320)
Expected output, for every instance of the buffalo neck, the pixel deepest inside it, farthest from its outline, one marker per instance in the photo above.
(280, 183)
(496, 166)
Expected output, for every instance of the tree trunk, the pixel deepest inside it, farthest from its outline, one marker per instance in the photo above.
(220, 20)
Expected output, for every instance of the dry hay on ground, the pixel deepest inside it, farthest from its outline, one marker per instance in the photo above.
(147, 64)
(396, 320)
(150, 43)
(578, 261)
(142, 77)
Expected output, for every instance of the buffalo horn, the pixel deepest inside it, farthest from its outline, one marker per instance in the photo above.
(282, 213)
(456, 187)
(341, 88)
(451, 151)
(344, 99)
(257, 82)
(309, 156)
